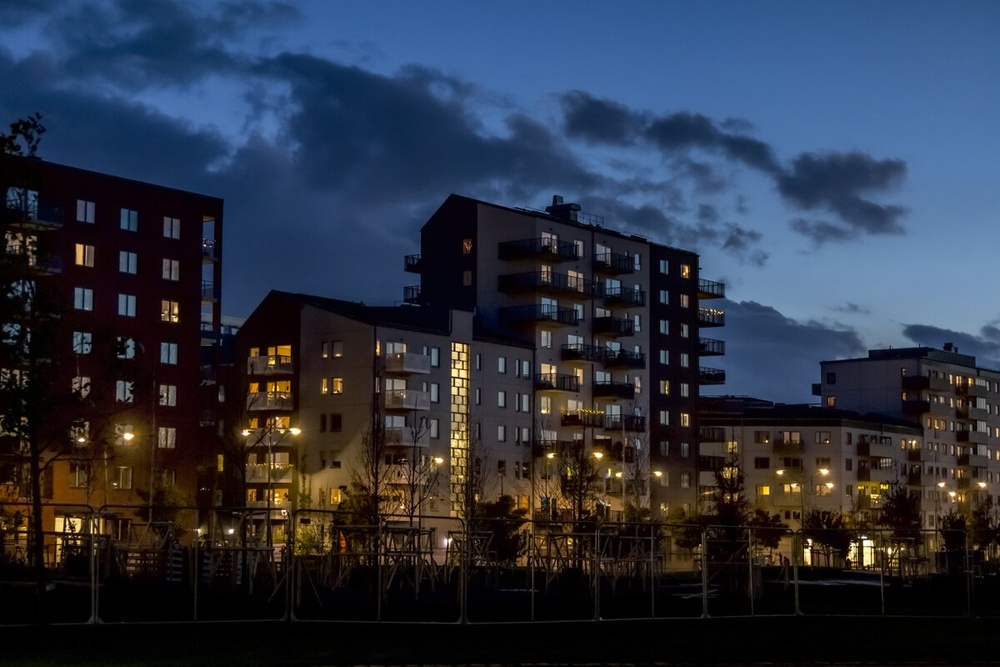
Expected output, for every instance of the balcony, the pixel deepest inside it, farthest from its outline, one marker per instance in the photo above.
(556, 382)
(269, 400)
(782, 447)
(920, 479)
(33, 216)
(412, 264)
(973, 461)
(711, 317)
(623, 390)
(916, 407)
(581, 352)
(407, 399)
(281, 473)
(921, 456)
(624, 359)
(209, 251)
(872, 447)
(876, 475)
(547, 282)
(411, 294)
(407, 363)
(629, 296)
(709, 289)
(971, 413)
(974, 437)
(613, 326)
(972, 390)
(585, 418)
(402, 436)
(614, 263)
(711, 376)
(710, 347)
(270, 364)
(208, 292)
(711, 434)
(921, 382)
(539, 313)
(631, 423)
(551, 249)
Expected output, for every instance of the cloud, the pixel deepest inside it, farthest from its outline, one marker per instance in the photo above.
(985, 346)
(775, 357)
(851, 309)
(598, 121)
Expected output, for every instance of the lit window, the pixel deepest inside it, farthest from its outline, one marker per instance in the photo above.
(83, 298)
(665, 387)
(763, 490)
(84, 254)
(685, 270)
(127, 262)
(685, 301)
(78, 475)
(123, 391)
(171, 228)
(166, 437)
(126, 305)
(545, 405)
(171, 269)
(338, 349)
(324, 350)
(130, 220)
(83, 342)
(85, 211)
(324, 386)
(685, 419)
(831, 401)
(170, 311)
(168, 353)
(337, 385)
(168, 395)
(122, 477)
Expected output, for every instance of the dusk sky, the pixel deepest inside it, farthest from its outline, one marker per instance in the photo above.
(833, 163)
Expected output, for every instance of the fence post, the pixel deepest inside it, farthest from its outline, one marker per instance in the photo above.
(750, 563)
(704, 572)
(596, 575)
(797, 548)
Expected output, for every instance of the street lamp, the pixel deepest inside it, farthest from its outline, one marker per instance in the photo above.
(267, 434)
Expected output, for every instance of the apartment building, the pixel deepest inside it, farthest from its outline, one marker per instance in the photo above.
(615, 323)
(338, 393)
(955, 403)
(136, 269)
(799, 458)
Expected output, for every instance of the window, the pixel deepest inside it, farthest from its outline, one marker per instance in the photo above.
(83, 298)
(525, 368)
(336, 422)
(763, 490)
(479, 361)
(83, 342)
(338, 349)
(501, 399)
(168, 395)
(501, 364)
(665, 357)
(435, 392)
(665, 387)
(501, 433)
(466, 246)
(525, 402)
(831, 378)
(664, 327)
(130, 220)
(434, 428)
(685, 270)
(578, 246)
(664, 417)
(324, 386)
(81, 386)
(123, 391)
(337, 385)
(170, 311)
(685, 449)
(545, 339)
(324, 350)
(685, 301)
(435, 357)
(122, 477)
(637, 321)
(637, 262)
(762, 437)
(166, 437)
(171, 228)
(831, 401)
(664, 266)
(822, 437)
(171, 269)
(126, 305)
(685, 419)
(168, 353)
(127, 262)
(545, 405)
(125, 347)
(761, 462)
(664, 448)
(85, 211)
(685, 480)
(84, 254)
(479, 396)
(467, 278)
(685, 331)
(685, 359)
(78, 475)
(664, 296)
(25, 201)
(685, 389)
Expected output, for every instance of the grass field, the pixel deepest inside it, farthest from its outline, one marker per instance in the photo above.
(733, 641)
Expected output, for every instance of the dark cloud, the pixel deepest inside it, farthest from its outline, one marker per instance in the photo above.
(851, 309)
(835, 182)
(985, 346)
(707, 213)
(820, 231)
(776, 357)
(741, 243)
(598, 121)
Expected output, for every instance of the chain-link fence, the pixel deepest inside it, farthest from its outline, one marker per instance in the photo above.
(147, 564)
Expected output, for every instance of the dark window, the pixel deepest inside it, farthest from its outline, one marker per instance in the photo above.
(335, 423)
(761, 462)
(831, 378)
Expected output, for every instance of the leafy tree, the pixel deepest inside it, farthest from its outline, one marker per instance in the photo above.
(901, 514)
(831, 530)
(768, 529)
(953, 531)
(984, 526)
(503, 522)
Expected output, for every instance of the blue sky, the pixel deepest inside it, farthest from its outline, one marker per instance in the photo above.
(831, 162)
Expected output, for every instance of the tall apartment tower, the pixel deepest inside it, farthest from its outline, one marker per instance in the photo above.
(954, 401)
(137, 266)
(614, 321)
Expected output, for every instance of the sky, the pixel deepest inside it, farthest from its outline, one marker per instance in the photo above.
(832, 163)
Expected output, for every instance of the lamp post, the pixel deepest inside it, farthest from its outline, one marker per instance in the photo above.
(267, 434)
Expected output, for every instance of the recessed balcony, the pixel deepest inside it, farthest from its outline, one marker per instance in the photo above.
(614, 263)
(269, 400)
(280, 473)
(407, 399)
(613, 326)
(209, 251)
(412, 264)
(556, 382)
(973, 461)
(270, 364)
(581, 352)
(407, 363)
(539, 313)
(411, 294)
(974, 437)
(628, 296)
(709, 289)
(710, 347)
(209, 294)
(711, 317)
(548, 282)
(551, 249)
(584, 418)
(622, 390)
(711, 376)
(624, 359)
